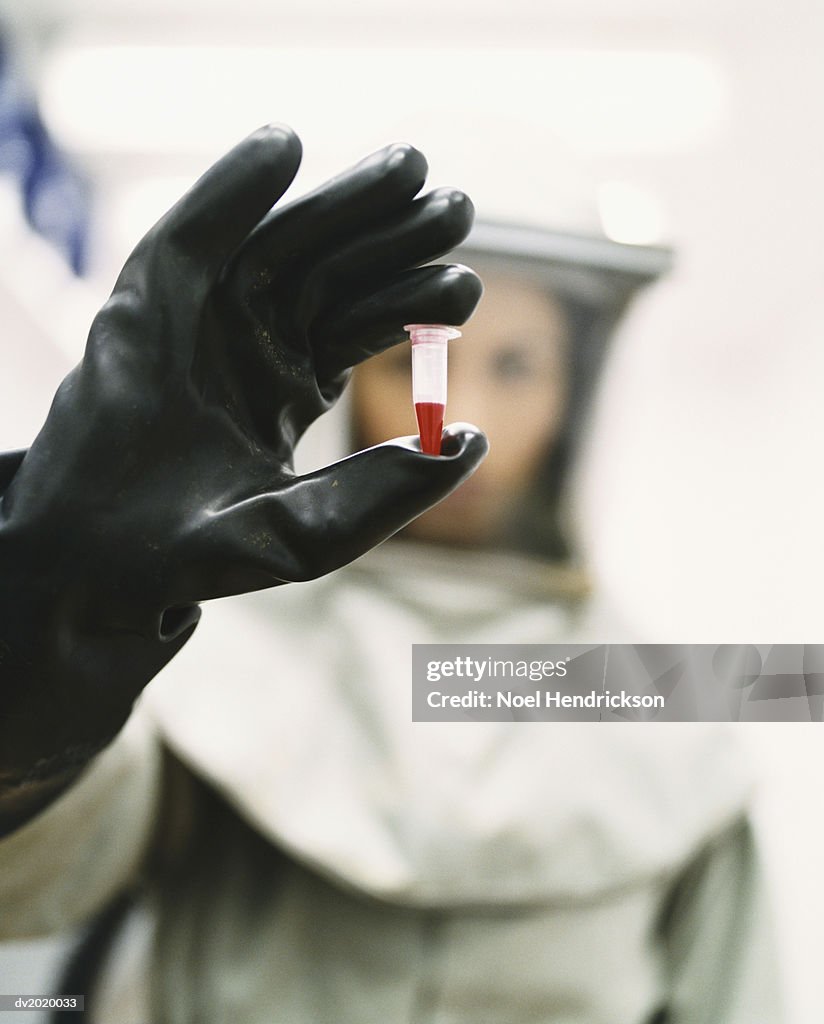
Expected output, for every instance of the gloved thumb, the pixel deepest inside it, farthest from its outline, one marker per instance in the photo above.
(326, 519)
(360, 501)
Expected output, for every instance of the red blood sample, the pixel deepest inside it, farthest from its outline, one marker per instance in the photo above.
(430, 426)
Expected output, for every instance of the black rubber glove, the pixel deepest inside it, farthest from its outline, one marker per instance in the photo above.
(163, 475)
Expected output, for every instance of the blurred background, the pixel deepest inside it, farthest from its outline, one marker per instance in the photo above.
(693, 126)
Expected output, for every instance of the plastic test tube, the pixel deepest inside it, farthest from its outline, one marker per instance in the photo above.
(429, 380)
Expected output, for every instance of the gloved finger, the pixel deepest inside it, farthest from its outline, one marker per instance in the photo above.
(324, 520)
(443, 294)
(10, 462)
(427, 228)
(217, 213)
(374, 188)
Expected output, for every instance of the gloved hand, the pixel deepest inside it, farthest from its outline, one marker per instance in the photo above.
(163, 475)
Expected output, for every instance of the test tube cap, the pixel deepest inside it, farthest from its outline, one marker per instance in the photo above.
(420, 334)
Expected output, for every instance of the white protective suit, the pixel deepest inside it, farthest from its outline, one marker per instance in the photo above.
(355, 867)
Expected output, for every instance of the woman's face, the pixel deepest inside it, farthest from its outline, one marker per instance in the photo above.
(507, 375)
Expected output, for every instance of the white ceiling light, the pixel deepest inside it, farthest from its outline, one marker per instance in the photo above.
(630, 214)
(116, 99)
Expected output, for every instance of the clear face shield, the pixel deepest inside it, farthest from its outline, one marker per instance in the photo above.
(526, 371)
